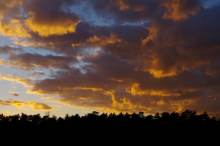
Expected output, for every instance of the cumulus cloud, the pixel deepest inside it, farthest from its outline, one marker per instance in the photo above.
(157, 55)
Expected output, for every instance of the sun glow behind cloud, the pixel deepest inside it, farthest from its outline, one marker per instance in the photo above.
(71, 56)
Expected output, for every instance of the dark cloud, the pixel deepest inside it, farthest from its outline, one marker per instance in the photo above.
(158, 55)
(30, 61)
(189, 44)
(178, 10)
(15, 94)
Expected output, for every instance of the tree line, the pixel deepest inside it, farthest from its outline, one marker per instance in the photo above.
(138, 121)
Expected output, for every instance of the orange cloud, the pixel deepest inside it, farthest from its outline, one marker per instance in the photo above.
(15, 79)
(123, 6)
(156, 56)
(46, 29)
(153, 33)
(155, 69)
(103, 41)
(178, 10)
(135, 90)
(14, 28)
(21, 104)
(158, 73)
(125, 105)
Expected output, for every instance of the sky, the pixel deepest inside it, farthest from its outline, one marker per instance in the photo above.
(78, 56)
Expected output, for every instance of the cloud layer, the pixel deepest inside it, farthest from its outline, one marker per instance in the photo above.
(20, 104)
(118, 55)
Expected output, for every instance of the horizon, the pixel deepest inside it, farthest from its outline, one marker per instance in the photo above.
(110, 56)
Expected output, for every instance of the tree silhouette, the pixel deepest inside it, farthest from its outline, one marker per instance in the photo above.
(187, 120)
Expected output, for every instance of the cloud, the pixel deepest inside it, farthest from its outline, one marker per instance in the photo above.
(14, 28)
(181, 9)
(10, 23)
(46, 30)
(21, 18)
(15, 79)
(21, 104)
(187, 45)
(157, 55)
(48, 18)
(15, 94)
(30, 61)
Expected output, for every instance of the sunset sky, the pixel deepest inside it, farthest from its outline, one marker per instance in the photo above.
(77, 56)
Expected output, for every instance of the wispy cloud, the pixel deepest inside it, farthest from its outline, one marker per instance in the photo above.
(21, 104)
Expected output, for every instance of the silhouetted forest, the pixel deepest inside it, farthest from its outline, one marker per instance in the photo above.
(136, 121)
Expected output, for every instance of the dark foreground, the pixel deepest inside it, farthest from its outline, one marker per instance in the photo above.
(186, 120)
(109, 127)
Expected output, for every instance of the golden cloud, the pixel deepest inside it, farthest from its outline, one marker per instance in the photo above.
(15, 79)
(156, 57)
(14, 28)
(179, 10)
(21, 104)
(48, 29)
(103, 41)
(125, 105)
(135, 90)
